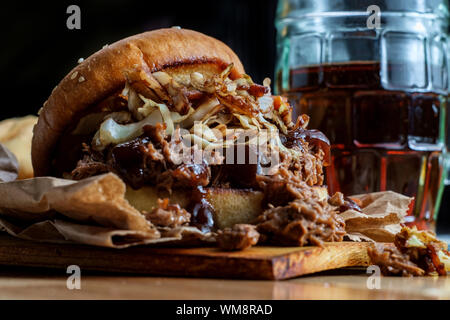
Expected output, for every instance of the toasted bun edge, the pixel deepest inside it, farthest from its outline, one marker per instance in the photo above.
(103, 73)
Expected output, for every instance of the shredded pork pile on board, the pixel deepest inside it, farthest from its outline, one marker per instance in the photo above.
(416, 253)
(300, 223)
(138, 132)
(239, 237)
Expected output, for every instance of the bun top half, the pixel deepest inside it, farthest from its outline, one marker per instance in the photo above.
(175, 51)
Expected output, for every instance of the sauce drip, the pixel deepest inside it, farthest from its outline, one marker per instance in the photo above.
(313, 137)
(128, 159)
(202, 212)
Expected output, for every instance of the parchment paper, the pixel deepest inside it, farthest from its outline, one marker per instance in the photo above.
(381, 217)
(94, 211)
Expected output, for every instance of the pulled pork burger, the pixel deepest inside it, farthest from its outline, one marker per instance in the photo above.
(173, 114)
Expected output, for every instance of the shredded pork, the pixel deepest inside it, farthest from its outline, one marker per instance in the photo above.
(301, 222)
(416, 253)
(239, 237)
(142, 152)
(168, 215)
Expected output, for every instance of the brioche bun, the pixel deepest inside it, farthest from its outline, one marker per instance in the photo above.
(178, 52)
(231, 206)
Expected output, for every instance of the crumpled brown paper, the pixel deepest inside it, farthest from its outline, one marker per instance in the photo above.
(16, 135)
(382, 214)
(94, 211)
(9, 167)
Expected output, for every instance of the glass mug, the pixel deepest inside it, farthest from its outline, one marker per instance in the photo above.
(374, 79)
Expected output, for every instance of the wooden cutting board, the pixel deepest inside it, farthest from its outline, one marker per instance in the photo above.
(273, 263)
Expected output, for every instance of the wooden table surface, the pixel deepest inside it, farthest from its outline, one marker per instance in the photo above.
(340, 284)
(350, 283)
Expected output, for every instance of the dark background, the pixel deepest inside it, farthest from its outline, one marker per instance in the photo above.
(37, 49)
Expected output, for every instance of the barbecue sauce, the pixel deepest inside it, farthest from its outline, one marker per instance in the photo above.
(202, 212)
(313, 137)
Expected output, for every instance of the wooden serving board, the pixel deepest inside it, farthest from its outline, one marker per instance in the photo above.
(273, 263)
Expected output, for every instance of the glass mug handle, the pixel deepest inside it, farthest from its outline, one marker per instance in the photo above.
(447, 169)
(447, 149)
